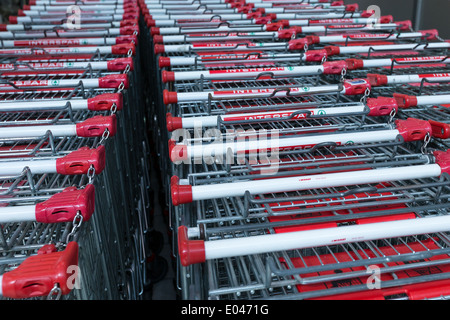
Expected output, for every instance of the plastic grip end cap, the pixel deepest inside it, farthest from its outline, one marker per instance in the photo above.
(12, 19)
(173, 123)
(154, 31)
(316, 55)
(351, 7)
(367, 13)
(177, 152)
(381, 106)
(159, 48)
(181, 194)
(123, 49)
(168, 76)
(405, 101)
(334, 67)
(114, 81)
(127, 39)
(164, 62)
(440, 130)
(96, 126)
(386, 19)
(332, 50)
(21, 13)
(404, 25)
(104, 102)
(80, 161)
(37, 275)
(64, 206)
(413, 129)
(190, 251)
(129, 30)
(442, 158)
(337, 3)
(158, 38)
(169, 97)
(431, 34)
(354, 64)
(150, 22)
(120, 64)
(377, 80)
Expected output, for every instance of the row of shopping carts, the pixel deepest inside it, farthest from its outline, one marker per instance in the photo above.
(303, 147)
(75, 194)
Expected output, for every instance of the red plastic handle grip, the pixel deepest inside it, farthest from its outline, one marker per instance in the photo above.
(190, 251)
(120, 64)
(413, 129)
(37, 275)
(442, 158)
(64, 206)
(180, 193)
(104, 102)
(405, 101)
(113, 81)
(440, 130)
(81, 160)
(381, 106)
(96, 126)
(123, 49)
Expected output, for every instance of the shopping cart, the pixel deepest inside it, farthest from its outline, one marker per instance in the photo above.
(237, 80)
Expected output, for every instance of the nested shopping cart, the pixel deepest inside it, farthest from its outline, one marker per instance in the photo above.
(75, 156)
(320, 218)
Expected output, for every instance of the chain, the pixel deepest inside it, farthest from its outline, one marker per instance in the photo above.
(127, 69)
(121, 87)
(366, 95)
(113, 110)
(426, 141)
(55, 293)
(77, 221)
(106, 133)
(91, 174)
(392, 115)
(343, 74)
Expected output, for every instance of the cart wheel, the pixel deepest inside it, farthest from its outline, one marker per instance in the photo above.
(156, 271)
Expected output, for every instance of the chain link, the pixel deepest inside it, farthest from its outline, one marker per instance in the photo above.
(392, 115)
(426, 141)
(91, 174)
(113, 110)
(77, 222)
(121, 87)
(343, 74)
(366, 95)
(55, 293)
(106, 133)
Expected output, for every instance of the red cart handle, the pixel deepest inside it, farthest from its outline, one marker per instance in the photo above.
(64, 206)
(104, 102)
(37, 275)
(96, 126)
(405, 101)
(413, 129)
(190, 251)
(81, 160)
(381, 106)
(440, 130)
